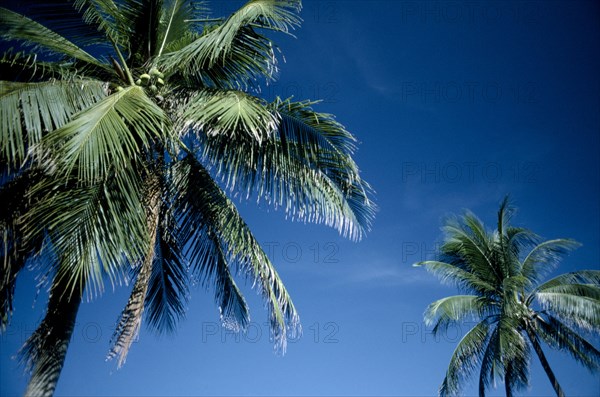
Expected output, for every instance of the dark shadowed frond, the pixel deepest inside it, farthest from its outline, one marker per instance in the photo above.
(168, 289)
(465, 358)
(143, 18)
(241, 249)
(79, 221)
(15, 248)
(14, 26)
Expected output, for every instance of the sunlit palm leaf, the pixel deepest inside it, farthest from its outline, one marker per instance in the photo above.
(544, 257)
(304, 166)
(453, 309)
(29, 110)
(108, 136)
(235, 39)
(229, 113)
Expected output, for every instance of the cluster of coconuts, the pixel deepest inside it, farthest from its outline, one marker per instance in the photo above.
(153, 79)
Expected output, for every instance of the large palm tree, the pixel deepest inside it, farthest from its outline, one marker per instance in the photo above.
(126, 125)
(501, 272)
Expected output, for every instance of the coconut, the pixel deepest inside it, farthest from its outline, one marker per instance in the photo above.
(145, 78)
(160, 81)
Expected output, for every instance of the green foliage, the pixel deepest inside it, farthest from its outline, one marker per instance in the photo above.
(502, 270)
(108, 180)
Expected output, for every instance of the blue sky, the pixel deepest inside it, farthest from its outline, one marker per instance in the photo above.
(455, 105)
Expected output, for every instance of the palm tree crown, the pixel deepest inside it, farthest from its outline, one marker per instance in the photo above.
(125, 125)
(501, 272)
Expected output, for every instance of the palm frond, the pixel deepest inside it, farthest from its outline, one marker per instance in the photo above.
(14, 26)
(451, 274)
(312, 183)
(450, 310)
(15, 249)
(26, 67)
(143, 17)
(108, 136)
(107, 17)
(63, 18)
(131, 317)
(174, 22)
(167, 292)
(236, 40)
(467, 246)
(96, 229)
(130, 321)
(240, 247)
(229, 113)
(577, 304)
(465, 358)
(29, 110)
(544, 257)
(559, 336)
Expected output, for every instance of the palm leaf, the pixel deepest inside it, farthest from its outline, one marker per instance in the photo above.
(14, 26)
(236, 40)
(229, 113)
(167, 290)
(315, 184)
(29, 110)
(451, 274)
(108, 136)
(559, 336)
(143, 18)
(450, 310)
(544, 257)
(241, 248)
(465, 358)
(96, 229)
(15, 249)
(131, 317)
(575, 303)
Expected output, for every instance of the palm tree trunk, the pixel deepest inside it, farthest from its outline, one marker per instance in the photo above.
(507, 388)
(540, 353)
(47, 348)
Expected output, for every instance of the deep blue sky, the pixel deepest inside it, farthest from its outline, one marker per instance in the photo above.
(455, 105)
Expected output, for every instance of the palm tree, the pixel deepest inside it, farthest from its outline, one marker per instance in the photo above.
(501, 273)
(126, 125)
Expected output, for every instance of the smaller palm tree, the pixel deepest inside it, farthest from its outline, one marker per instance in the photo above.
(501, 273)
